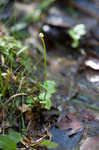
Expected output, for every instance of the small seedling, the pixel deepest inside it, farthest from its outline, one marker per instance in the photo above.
(47, 89)
(48, 86)
(76, 33)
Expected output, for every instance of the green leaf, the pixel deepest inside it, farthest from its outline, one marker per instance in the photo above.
(15, 136)
(49, 144)
(79, 30)
(49, 86)
(6, 143)
(76, 33)
(48, 104)
(45, 99)
(29, 100)
(44, 96)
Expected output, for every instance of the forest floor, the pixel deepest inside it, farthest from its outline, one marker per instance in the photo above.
(72, 59)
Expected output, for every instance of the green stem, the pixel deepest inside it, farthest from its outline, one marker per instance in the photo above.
(45, 64)
(1, 81)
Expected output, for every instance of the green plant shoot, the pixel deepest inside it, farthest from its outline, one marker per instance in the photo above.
(48, 86)
(45, 97)
(76, 33)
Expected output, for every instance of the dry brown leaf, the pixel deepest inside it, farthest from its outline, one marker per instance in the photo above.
(72, 122)
(24, 108)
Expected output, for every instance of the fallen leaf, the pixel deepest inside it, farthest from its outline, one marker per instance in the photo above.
(70, 122)
(24, 108)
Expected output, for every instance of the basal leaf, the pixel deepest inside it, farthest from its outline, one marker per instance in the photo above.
(49, 86)
(6, 143)
(15, 136)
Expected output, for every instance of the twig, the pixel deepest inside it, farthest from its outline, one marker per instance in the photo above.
(85, 10)
(87, 105)
(11, 98)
